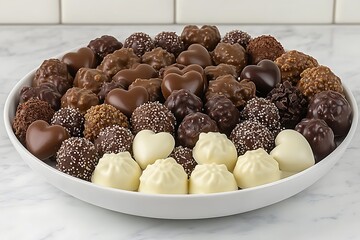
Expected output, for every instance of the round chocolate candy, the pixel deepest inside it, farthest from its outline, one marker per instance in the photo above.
(264, 47)
(140, 42)
(232, 54)
(71, 119)
(104, 45)
(79, 98)
(169, 41)
(91, 79)
(46, 92)
(184, 157)
(158, 58)
(237, 36)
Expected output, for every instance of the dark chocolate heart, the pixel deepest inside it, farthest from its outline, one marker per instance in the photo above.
(127, 100)
(44, 140)
(196, 54)
(84, 57)
(128, 76)
(266, 75)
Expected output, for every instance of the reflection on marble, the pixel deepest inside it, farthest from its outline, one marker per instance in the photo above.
(30, 208)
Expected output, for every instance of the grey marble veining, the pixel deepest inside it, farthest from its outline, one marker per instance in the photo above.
(30, 208)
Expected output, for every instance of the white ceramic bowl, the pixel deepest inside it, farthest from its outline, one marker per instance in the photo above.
(174, 206)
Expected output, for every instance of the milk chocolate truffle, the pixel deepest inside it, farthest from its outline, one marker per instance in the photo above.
(77, 157)
(169, 41)
(140, 42)
(182, 102)
(107, 87)
(290, 102)
(238, 92)
(334, 109)
(79, 98)
(91, 79)
(232, 54)
(213, 72)
(114, 139)
(237, 36)
(71, 119)
(152, 85)
(184, 157)
(153, 116)
(224, 112)
(191, 127)
(251, 135)
(207, 35)
(28, 112)
(293, 63)
(104, 45)
(46, 92)
(55, 72)
(84, 57)
(158, 58)
(318, 79)
(319, 135)
(102, 116)
(264, 47)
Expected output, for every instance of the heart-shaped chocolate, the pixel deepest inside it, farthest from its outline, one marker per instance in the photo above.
(128, 76)
(266, 75)
(44, 140)
(196, 54)
(192, 81)
(127, 100)
(84, 57)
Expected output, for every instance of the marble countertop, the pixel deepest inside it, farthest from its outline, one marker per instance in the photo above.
(30, 208)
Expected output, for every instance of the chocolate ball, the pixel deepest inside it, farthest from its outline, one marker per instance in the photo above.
(232, 54)
(27, 113)
(224, 112)
(319, 135)
(191, 127)
(153, 116)
(140, 42)
(169, 41)
(293, 63)
(158, 58)
(153, 87)
(114, 139)
(182, 102)
(208, 36)
(318, 79)
(104, 45)
(264, 47)
(251, 135)
(334, 109)
(77, 157)
(71, 119)
(102, 116)
(106, 88)
(213, 72)
(91, 79)
(237, 36)
(79, 98)
(183, 156)
(46, 92)
(290, 102)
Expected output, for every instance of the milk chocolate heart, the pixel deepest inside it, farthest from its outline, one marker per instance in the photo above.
(266, 75)
(128, 76)
(192, 81)
(127, 100)
(84, 57)
(43, 140)
(196, 54)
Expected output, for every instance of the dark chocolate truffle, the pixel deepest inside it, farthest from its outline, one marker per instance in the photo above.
(169, 41)
(153, 87)
(191, 127)
(91, 79)
(140, 42)
(183, 156)
(79, 98)
(237, 36)
(46, 92)
(264, 47)
(71, 119)
(107, 87)
(77, 157)
(104, 45)
(232, 54)
(208, 36)
(158, 58)
(251, 135)
(213, 72)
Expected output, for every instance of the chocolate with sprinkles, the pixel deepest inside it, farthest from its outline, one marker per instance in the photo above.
(237, 36)
(71, 119)
(183, 156)
(140, 42)
(169, 41)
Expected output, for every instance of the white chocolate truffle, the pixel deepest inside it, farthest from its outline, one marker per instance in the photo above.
(211, 178)
(256, 168)
(214, 147)
(292, 151)
(117, 171)
(165, 176)
(149, 146)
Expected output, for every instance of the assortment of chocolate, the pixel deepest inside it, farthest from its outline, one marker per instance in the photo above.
(188, 113)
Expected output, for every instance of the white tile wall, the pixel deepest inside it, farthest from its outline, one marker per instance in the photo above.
(347, 11)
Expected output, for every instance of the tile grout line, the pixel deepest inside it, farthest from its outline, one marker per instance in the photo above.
(334, 12)
(60, 12)
(174, 11)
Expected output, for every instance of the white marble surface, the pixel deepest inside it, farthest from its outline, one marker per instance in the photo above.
(30, 208)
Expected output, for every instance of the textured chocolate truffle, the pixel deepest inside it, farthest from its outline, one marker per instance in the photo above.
(102, 116)
(71, 119)
(140, 42)
(46, 92)
(232, 54)
(293, 63)
(237, 36)
(91, 79)
(169, 41)
(191, 127)
(114, 139)
(224, 112)
(28, 112)
(158, 58)
(319, 135)
(104, 45)
(213, 72)
(153, 116)
(251, 135)
(208, 36)
(77, 157)
(152, 85)
(334, 109)
(79, 98)
(183, 156)
(264, 47)
(182, 102)
(318, 79)
(106, 88)
(290, 102)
